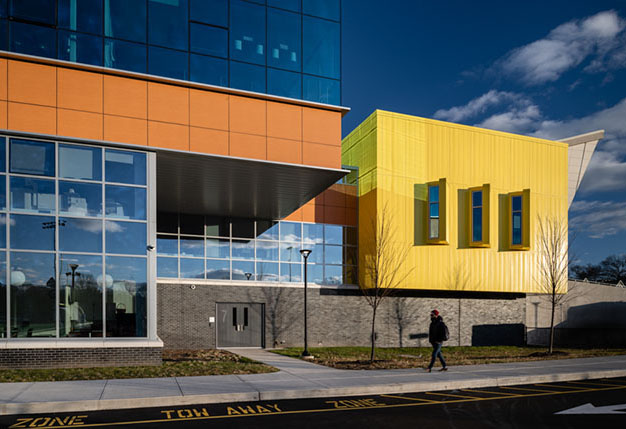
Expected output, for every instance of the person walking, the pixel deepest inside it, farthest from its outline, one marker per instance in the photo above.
(437, 334)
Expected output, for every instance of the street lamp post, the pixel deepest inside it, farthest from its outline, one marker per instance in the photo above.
(305, 253)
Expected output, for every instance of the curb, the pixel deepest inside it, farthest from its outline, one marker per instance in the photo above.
(172, 401)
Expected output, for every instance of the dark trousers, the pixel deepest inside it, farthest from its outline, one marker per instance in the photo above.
(437, 353)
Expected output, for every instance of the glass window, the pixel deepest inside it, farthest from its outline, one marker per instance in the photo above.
(33, 39)
(80, 48)
(125, 19)
(80, 162)
(293, 5)
(210, 12)
(80, 199)
(243, 270)
(123, 202)
(3, 233)
(126, 238)
(192, 246)
(84, 15)
(191, 268)
(349, 255)
(126, 303)
(168, 22)
(477, 216)
(247, 32)
(33, 295)
(167, 222)
(32, 232)
(80, 296)
(3, 35)
(191, 224)
(217, 227)
(333, 234)
(317, 253)
(3, 192)
(290, 231)
(283, 40)
(32, 157)
(267, 250)
(247, 77)
(333, 254)
(328, 9)
(168, 63)
(167, 267)
(321, 90)
(516, 226)
(243, 249)
(333, 274)
(217, 269)
(433, 212)
(267, 230)
(167, 245)
(315, 273)
(32, 195)
(42, 11)
(290, 252)
(350, 236)
(125, 167)
(80, 235)
(2, 155)
(216, 248)
(284, 83)
(290, 272)
(320, 47)
(243, 228)
(125, 56)
(208, 40)
(267, 271)
(3, 295)
(350, 275)
(209, 70)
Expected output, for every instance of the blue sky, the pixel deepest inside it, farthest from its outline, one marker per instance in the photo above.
(549, 69)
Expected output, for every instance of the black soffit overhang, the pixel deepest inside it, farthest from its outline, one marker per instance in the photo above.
(236, 187)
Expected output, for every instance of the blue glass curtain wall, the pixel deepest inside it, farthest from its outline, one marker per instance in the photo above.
(245, 250)
(289, 48)
(73, 240)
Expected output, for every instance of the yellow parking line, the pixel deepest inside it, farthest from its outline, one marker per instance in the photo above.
(597, 384)
(453, 395)
(560, 387)
(528, 390)
(491, 393)
(412, 399)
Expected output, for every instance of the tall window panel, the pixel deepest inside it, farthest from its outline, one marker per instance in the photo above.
(321, 47)
(247, 32)
(168, 23)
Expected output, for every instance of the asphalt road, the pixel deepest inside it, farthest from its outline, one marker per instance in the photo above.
(599, 403)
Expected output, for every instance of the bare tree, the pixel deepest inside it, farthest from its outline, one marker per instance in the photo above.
(382, 267)
(552, 250)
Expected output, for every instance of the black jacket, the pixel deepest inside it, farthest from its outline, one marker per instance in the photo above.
(436, 332)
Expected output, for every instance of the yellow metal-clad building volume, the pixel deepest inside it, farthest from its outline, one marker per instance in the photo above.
(464, 201)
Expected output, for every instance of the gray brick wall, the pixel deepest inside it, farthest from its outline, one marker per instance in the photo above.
(79, 358)
(340, 317)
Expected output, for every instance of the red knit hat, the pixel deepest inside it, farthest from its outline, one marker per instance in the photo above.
(434, 313)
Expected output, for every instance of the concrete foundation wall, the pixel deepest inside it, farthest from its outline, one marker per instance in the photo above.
(339, 317)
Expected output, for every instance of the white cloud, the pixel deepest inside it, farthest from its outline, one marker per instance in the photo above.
(598, 219)
(516, 120)
(476, 106)
(599, 37)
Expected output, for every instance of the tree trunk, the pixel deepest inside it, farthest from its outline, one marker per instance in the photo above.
(551, 325)
(373, 337)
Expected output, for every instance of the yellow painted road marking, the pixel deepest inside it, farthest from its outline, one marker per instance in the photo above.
(596, 384)
(561, 387)
(529, 390)
(489, 392)
(410, 398)
(324, 410)
(451, 394)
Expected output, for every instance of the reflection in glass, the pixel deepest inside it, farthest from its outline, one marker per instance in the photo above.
(208, 40)
(267, 250)
(283, 40)
(3, 232)
(80, 296)
(126, 238)
(333, 254)
(267, 271)
(191, 268)
(32, 39)
(328, 9)
(247, 77)
(243, 270)
(80, 199)
(124, 202)
(243, 228)
(293, 5)
(217, 269)
(217, 227)
(321, 90)
(3, 192)
(209, 12)
(126, 304)
(3, 154)
(349, 275)
(191, 224)
(350, 235)
(209, 70)
(333, 234)
(290, 252)
(32, 232)
(84, 15)
(477, 224)
(42, 11)
(3, 295)
(313, 233)
(349, 255)
(267, 230)
(333, 275)
(192, 246)
(315, 273)
(80, 48)
(125, 19)
(32, 195)
(33, 291)
(317, 253)
(247, 32)
(290, 231)
(168, 63)
(290, 272)
(216, 248)
(167, 245)
(125, 56)
(80, 235)
(243, 249)
(32, 157)
(168, 22)
(167, 267)
(125, 167)
(80, 162)
(284, 83)
(320, 47)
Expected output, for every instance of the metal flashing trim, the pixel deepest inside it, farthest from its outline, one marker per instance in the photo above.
(170, 81)
(214, 282)
(584, 138)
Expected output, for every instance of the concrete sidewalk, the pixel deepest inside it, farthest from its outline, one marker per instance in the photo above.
(296, 379)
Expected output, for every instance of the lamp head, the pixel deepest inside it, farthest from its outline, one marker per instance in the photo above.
(305, 252)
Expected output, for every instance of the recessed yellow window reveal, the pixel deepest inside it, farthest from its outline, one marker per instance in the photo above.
(436, 213)
(479, 216)
(519, 220)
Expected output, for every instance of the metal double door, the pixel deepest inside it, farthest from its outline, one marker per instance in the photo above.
(239, 325)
